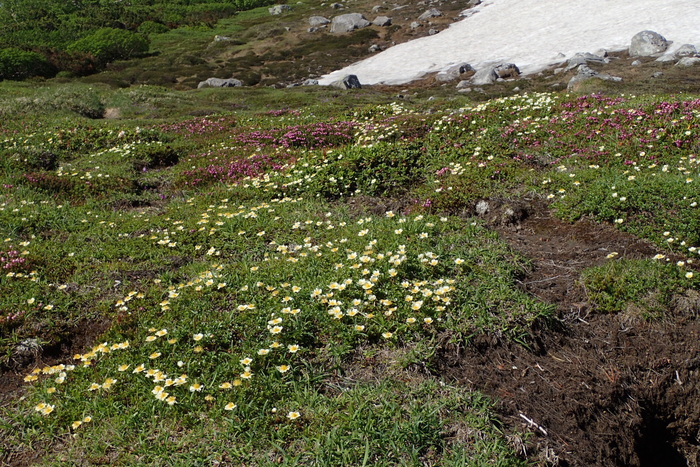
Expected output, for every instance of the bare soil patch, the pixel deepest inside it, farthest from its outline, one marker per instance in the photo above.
(601, 390)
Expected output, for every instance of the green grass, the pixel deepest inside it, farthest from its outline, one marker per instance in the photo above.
(304, 260)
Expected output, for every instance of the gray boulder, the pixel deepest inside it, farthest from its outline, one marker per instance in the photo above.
(219, 83)
(460, 71)
(348, 22)
(485, 76)
(507, 70)
(316, 21)
(648, 44)
(279, 9)
(432, 13)
(382, 21)
(583, 59)
(348, 82)
(686, 62)
(686, 50)
(584, 74)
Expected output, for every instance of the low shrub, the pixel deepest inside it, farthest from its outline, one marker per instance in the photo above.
(19, 64)
(109, 44)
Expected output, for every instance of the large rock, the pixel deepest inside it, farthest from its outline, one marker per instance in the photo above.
(584, 58)
(219, 83)
(382, 21)
(348, 22)
(432, 13)
(687, 62)
(279, 9)
(507, 70)
(348, 82)
(460, 71)
(648, 44)
(491, 73)
(316, 21)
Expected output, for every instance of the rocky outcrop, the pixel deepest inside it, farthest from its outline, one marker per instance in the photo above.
(492, 73)
(348, 22)
(219, 83)
(348, 82)
(648, 44)
(584, 58)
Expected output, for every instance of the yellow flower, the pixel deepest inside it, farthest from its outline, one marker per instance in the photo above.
(47, 410)
(293, 348)
(199, 349)
(208, 398)
(196, 387)
(198, 337)
(123, 367)
(689, 275)
(151, 338)
(276, 329)
(154, 355)
(427, 320)
(94, 387)
(162, 332)
(263, 351)
(237, 382)
(76, 424)
(247, 374)
(293, 415)
(230, 406)
(225, 385)
(246, 361)
(87, 419)
(283, 368)
(171, 400)
(387, 335)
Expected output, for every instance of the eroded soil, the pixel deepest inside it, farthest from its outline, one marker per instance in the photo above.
(601, 389)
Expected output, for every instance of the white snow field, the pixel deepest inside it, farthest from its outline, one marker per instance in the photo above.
(533, 34)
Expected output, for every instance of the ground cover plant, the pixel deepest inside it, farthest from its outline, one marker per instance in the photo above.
(285, 285)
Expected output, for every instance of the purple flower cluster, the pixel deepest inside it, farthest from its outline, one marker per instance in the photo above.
(200, 126)
(232, 171)
(11, 259)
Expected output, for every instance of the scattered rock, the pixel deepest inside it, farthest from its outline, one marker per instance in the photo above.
(432, 13)
(636, 63)
(658, 74)
(462, 70)
(316, 21)
(507, 70)
(686, 50)
(348, 22)
(415, 25)
(219, 83)
(584, 74)
(310, 82)
(382, 21)
(377, 8)
(464, 85)
(337, 6)
(648, 44)
(218, 38)
(686, 62)
(583, 59)
(473, 3)
(279, 9)
(375, 48)
(432, 32)
(348, 82)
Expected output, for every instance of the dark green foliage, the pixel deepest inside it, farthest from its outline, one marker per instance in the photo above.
(151, 27)
(109, 44)
(19, 64)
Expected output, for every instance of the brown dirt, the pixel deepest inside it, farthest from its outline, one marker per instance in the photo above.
(602, 389)
(68, 342)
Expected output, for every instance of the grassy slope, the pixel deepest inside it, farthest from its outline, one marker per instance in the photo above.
(188, 237)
